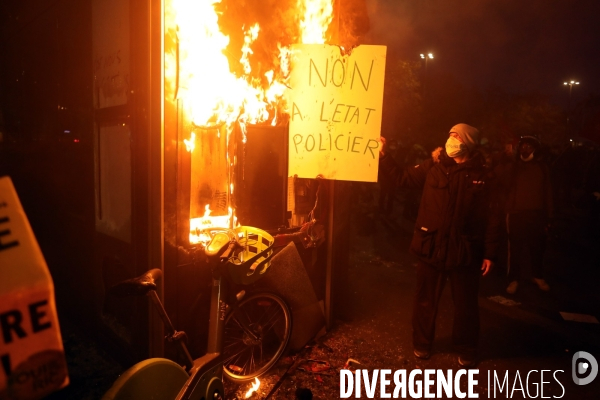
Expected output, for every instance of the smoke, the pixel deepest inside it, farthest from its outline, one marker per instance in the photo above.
(521, 45)
(278, 25)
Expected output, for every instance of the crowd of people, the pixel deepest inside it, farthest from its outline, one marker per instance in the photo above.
(464, 198)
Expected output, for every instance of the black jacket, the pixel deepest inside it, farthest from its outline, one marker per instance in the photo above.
(525, 186)
(458, 224)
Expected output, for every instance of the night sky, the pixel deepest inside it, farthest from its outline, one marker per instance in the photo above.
(522, 46)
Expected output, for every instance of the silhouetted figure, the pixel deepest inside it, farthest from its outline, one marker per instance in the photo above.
(528, 205)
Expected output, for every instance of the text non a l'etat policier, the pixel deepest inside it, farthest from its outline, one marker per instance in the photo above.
(323, 74)
(339, 142)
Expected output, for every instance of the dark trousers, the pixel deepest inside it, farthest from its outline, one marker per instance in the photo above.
(526, 233)
(465, 287)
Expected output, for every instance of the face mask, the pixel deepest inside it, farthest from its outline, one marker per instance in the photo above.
(455, 147)
(528, 158)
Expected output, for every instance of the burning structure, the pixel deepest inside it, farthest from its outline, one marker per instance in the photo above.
(175, 105)
(226, 120)
(226, 71)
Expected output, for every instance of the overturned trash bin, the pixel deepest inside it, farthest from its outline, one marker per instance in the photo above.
(287, 277)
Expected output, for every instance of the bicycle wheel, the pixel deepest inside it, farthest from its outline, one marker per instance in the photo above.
(255, 336)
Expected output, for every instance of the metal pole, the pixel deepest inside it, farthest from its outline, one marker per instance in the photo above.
(171, 332)
(330, 230)
(569, 104)
(330, 249)
(156, 162)
(216, 318)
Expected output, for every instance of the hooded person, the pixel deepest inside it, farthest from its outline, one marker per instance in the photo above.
(527, 186)
(463, 139)
(455, 238)
(528, 148)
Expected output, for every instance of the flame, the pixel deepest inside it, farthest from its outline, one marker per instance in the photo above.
(254, 388)
(200, 74)
(199, 227)
(317, 17)
(249, 38)
(213, 94)
(191, 143)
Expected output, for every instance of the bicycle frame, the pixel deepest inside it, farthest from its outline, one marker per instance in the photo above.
(205, 374)
(160, 378)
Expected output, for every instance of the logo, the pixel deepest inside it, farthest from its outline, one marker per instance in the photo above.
(585, 368)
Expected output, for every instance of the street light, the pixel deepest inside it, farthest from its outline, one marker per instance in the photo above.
(426, 57)
(570, 85)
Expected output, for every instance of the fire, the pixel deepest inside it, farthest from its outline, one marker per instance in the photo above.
(215, 87)
(214, 95)
(253, 389)
(249, 38)
(200, 226)
(317, 17)
(191, 143)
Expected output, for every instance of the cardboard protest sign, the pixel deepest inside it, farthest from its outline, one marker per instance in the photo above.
(32, 358)
(335, 105)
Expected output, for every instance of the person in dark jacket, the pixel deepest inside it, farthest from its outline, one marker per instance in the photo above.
(528, 206)
(455, 237)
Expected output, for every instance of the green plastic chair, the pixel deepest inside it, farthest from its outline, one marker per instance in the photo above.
(151, 379)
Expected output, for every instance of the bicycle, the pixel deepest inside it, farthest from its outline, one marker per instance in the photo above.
(260, 321)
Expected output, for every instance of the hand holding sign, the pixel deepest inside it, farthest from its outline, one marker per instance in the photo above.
(382, 148)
